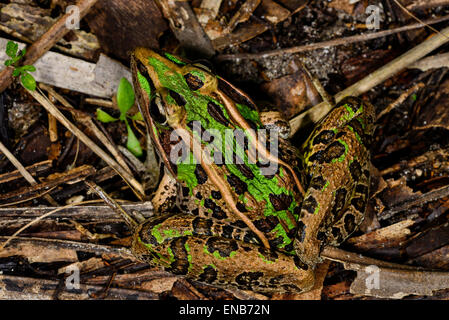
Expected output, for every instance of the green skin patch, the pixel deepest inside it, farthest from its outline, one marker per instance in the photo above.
(196, 108)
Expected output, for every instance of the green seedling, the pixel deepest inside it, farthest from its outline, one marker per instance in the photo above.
(27, 80)
(125, 100)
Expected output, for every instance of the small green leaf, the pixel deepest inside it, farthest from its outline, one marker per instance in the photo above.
(16, 72)
(104, 116)
(29, 68)
(125, 96)
(133, 144)
(28, 81)
(8, 62)
(11, 49)
(137, 116)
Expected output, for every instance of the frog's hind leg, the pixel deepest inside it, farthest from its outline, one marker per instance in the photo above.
(219, 254)
(347, 222)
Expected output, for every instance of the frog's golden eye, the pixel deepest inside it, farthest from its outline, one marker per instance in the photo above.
(157, 110)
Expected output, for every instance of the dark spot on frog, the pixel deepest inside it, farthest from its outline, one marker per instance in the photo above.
(357, 127)
(356, 170)
(289, 247)
(250, 237)
(209, 275)
(223, 246)
(299, 264)
(185, 191)
(218, 213)
(247, 280)
(317, 156)
(216, 112)
(334, 151)
(239, 224)
(227, 231)
(202, 226)
(181, 263)
(183, 208)
(359, 203)
(317, 183)
(193, 81)
(269, 255)
(244, 170)
(266, 224)
(239, 186)
(195, 211)
(209, 203)
(321, 236)
(350, 224)
(297, 211)
(241, 207)
(310, 204)
(301, 235)
(324, 137)
(215, 194)
(180, 101)
(200, 174)
(281, 201)
(275, 243)
(339, 203)
(199, 196)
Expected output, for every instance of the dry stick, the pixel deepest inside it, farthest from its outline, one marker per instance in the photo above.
(401, 99)
(373, 79)
(28, 177)
(46, 41)
(330, 43)
(87, 120)
(135, 185)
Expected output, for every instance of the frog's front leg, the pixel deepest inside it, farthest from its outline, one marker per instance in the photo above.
(214, 252)
(165, 196)
(337, 162)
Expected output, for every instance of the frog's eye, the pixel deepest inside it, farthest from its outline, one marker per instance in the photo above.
(157, 110)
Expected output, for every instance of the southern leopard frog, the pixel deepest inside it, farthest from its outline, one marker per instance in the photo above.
(241, 226)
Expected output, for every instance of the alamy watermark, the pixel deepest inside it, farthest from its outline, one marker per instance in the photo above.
(374, 16)
(372, 280)
(231, 146)
(73, 20)
(72, 282)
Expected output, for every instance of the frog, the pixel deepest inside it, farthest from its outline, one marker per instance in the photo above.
(234, 211)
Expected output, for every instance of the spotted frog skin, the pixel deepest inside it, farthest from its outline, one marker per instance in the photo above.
(239, 226)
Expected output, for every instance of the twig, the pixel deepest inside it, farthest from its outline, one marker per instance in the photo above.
(39, 219)
(330, 43)
(415, 17)
(373, 79)
(401, 99)
(135, 185)
(87, 121)
(46, 41)
(28, 177)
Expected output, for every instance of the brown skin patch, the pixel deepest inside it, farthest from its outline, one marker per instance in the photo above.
(216, 112)
(193, 82)
(281, 201)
